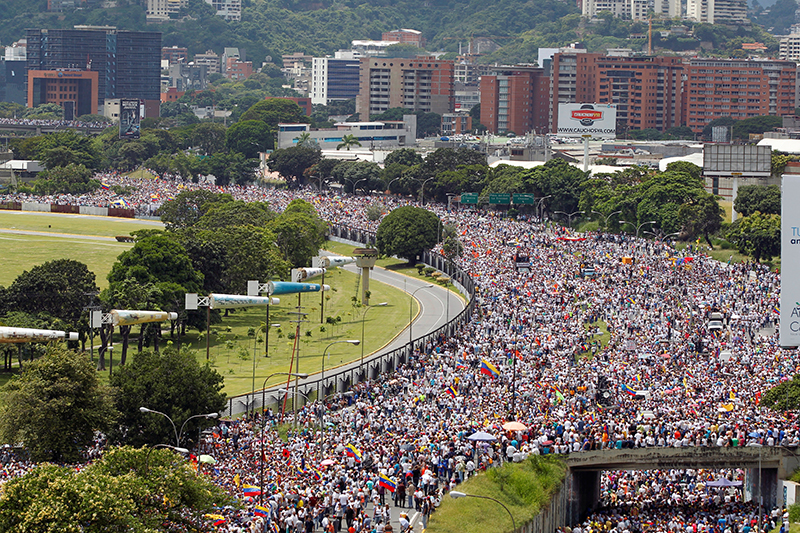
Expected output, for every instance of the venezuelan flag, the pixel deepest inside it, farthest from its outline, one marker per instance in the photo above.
(489, 369)
(776, 309)
(629, 390)
(299, 471)
(451, 391)
(274, 527)
(216, 519)
(630, 300)
(317, 474)
(352, 451)
(104, 186)
(386, 483)
(260, 511)
(250, 490)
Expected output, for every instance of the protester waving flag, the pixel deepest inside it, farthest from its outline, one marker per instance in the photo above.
(489, 369)
(386, 483)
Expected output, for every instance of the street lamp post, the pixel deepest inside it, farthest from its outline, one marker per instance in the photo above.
(411, 310)
(661, 236)
(607, 217)
(540, 206)
(178, 434)
(263, 425)
(354, 342)
(456, 494)
(569, 215)
(422, 190)
(363, 321)
(639, 227)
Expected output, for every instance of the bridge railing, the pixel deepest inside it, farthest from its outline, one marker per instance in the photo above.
(343, 379)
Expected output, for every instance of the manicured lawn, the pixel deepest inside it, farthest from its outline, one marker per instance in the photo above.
(74, 224)
(21, 252)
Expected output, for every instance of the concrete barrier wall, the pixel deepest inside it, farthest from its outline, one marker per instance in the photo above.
(553, 515)
(97, 211)
(30, 206)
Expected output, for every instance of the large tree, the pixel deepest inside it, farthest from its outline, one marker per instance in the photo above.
(209, 137)
(763, 198)
(189, 206)
(55, 406)
(407, 232)
(156, 259)
(758, 236)
(293, 162)
(275, 111)
(59, 288)
(249, 137)
(172, 382)
(126, 490)
(299, 233)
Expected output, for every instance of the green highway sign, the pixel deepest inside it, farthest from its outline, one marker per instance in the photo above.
(469, 198)
(500, 199)
(524, 199)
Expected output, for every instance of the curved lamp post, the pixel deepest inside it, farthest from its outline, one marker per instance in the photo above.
(639, 227)
(455, 494)
(410, 310)
(607, 217)
(540, 205)
(363, 320)
(178, 434)
(569, 215)
(354, 342)
(263, 424)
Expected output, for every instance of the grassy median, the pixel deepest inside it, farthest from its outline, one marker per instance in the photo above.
(525, 488)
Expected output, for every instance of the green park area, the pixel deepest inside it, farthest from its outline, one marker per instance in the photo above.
(523, 488)
(238, 341)
(83, 238)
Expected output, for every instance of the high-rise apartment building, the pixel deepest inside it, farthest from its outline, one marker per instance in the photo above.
(128, 63)
(646, 90)
(515, 99)
(227, 9)
(717, 11)
(628, 9)
(739, 89)
(790, 48)
(334, 79)
(210, 60)
(419, 84)
(571, 80)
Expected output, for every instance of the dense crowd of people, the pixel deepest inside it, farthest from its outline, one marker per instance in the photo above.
(53, 122)
(602, 344)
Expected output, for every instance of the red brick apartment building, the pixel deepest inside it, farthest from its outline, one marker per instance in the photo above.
(645, 89)
(515, 99)
(650, 92)
(739, 89)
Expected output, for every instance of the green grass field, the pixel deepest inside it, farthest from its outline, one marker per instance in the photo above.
(85, 238)
(90, 240)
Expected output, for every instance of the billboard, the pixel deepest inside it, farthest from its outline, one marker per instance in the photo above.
(790, 261)
(725, 159)
(597, 120)
(129, 118)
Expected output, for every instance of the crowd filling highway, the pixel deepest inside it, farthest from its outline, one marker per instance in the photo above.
(604, 343)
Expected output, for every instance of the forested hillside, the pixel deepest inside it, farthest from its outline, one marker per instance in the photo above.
(275, 27)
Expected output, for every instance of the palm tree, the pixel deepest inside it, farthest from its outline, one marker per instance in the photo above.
(303, 139)
(348, 141)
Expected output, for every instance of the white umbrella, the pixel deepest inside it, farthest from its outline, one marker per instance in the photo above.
(481, 435)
